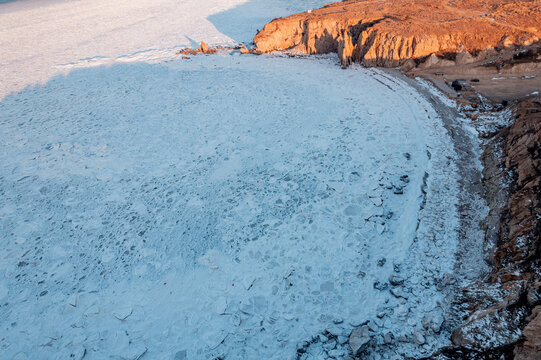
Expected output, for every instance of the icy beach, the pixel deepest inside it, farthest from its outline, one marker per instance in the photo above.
(227, 206)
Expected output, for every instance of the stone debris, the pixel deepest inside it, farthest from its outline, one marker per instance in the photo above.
(359, 338)
(396, 280)
(419, 337)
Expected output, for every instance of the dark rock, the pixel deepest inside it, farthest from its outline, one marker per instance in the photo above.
(456, 85)
(381, 286)
(396, 280)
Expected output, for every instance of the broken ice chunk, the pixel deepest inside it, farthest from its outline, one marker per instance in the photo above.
(123, 313)
(221, 305)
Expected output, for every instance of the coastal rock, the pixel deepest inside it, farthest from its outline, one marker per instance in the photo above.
(530, 349)
(359, 338)
(505, 311)
(388, 33)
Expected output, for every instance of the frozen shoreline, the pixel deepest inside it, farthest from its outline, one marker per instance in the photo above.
(256, 169)
(226, 205)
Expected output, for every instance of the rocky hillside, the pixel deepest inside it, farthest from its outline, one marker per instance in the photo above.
(504, 312)
(391, 32)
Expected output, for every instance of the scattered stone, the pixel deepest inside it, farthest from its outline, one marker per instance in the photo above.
(432, 321)
(405, 178)
(329, 345)
(381, 261)
(204, 48)
(397, 293)
(43, 293)
(380, 286)
(396, 280)
(358, 339)
(244, 49)
(418, 337)
(388, 337)
(334, 330)
(337, 353)
(456, 85)
(302, 346)
(403, 338)
(323, 338)
(407, 156)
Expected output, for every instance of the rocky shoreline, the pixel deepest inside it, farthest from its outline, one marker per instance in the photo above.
(497, 314)
(504, 317)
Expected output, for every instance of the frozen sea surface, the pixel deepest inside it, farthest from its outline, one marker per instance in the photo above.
(223, 206)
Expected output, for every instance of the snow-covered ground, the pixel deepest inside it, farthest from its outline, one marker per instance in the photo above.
(223, 206)
(41, 38)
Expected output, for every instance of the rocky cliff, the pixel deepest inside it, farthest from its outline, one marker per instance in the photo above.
(504, 313)
(390, 32)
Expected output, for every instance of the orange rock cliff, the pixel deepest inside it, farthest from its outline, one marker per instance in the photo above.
(390, 32)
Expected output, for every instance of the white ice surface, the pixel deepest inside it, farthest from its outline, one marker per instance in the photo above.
(224, 205)
(41, 38)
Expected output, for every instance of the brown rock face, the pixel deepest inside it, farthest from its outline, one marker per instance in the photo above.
(508, 314)
(389, 32)
(520, 239)
(530, 349)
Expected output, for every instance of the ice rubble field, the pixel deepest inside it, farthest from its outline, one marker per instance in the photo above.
(224, 206)
(228, 204)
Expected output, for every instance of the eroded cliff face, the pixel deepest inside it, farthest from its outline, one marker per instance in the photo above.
(390, 32)
(505, 312)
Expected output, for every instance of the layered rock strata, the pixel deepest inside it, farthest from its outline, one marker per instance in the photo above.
(391, 32)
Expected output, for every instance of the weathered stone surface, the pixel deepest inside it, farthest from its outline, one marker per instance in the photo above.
(389, 32)
(506, 313)
(359, 338)
(530, 349)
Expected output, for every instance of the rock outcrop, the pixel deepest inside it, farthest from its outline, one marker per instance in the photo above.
(392, 32)
(505, 312)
